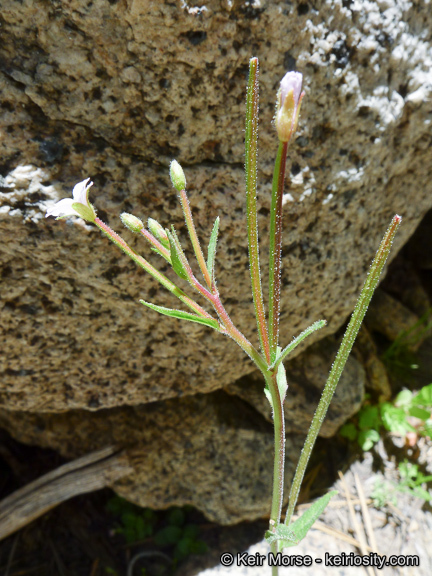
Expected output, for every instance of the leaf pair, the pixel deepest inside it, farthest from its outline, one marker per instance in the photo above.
(291, 535)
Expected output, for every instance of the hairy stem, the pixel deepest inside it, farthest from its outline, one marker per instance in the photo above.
(251, 149)
(166, 283)
(194, 237)
(275, 260)
(156, 244)
(340, 361)
(235, 333)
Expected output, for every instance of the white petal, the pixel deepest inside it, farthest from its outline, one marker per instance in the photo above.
(80, 191)
(62, 208)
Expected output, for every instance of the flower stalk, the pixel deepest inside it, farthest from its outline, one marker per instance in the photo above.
(251, 151)
(341, 359)
(142, 262)
(275, 252)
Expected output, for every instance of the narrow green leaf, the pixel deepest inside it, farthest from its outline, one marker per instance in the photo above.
(183, 315)
(251, 153)
(303, 524)
(281, 357)
(176, 255)
(341, 358)
(211, 253)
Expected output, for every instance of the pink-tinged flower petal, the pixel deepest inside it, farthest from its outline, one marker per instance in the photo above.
(291, 81)
(80, 191)
(62, 209)
(288, 105)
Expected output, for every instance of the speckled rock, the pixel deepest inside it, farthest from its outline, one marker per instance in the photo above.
(115, 90)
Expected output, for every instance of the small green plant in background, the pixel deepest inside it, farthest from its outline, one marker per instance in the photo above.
(409, 413)
(270, 355)
(411, 481)
(171, 529)
(400, 357)
(134, 523)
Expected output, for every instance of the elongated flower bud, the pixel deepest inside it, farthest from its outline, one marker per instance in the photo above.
(132, 222)
(177, 176)
(158, 232)
(288, 105)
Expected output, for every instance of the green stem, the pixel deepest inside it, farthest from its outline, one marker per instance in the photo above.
(194, 237)
(275, 260)
(166, 283)
(236, 335)
(156, 244)
(340, 361)
(279, 449)
(279, 458)
(251, 149)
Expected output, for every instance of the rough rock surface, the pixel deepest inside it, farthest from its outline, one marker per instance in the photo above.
(208, 450)
(115, 90)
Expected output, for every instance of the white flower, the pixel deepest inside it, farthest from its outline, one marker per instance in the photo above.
(79, 205)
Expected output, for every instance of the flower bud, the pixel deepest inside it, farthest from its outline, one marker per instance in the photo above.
(158, 232)
(177, 176)
(288, 105)
(132, 222)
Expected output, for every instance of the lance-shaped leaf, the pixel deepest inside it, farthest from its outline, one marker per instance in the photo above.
(183, 315)
(177, 255)
(293, 534)
(288, 349)
(211, 253)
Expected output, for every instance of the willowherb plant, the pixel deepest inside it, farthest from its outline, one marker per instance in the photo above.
(270, 357)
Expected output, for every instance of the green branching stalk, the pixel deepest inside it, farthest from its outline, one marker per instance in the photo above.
(275, 260)
(156, 245)
(166, 283)
(251, 149)
(194, 237)
(236, 335)
(340, 361)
